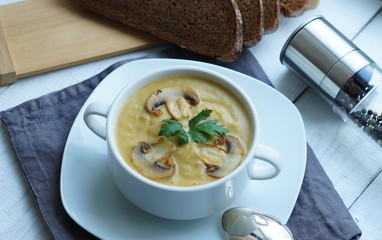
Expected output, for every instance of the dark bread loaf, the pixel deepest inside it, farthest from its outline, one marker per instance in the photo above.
(253, 24)
(271, 15)
(211, 27)
(294, 8)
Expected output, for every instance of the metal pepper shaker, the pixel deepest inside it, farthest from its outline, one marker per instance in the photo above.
(342, 74)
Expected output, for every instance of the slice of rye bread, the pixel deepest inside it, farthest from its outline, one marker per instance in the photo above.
(212, 27)
(253, 24)
(292, 8)
(271, 15)
(295, 8)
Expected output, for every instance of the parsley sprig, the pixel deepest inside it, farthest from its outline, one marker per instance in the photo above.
(171, 127)
(200, 128)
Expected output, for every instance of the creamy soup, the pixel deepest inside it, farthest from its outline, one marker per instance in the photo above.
(186, 164)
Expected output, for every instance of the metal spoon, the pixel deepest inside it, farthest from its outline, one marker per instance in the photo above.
(248, 224)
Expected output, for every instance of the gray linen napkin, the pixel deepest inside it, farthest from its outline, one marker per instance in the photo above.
(319, 213)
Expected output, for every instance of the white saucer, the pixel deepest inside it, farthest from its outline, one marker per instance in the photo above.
(93, 201)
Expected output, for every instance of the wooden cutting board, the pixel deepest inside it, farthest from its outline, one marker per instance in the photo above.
(37, 36)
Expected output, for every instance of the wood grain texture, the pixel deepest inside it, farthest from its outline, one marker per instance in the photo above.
(7, 71)
(45, 35)
(367, 209)
(334, 141)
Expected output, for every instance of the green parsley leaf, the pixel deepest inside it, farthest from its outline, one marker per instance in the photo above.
(201, 132)
(200, 128)
(171, 127)
(203, 115)
(210, 127)
(198, 137)
(183, 138)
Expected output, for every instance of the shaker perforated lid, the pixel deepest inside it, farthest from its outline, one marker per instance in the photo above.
(323, 56)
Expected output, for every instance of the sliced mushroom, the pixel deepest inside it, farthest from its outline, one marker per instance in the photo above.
(154, 160)
(223, 156)
(177, 99)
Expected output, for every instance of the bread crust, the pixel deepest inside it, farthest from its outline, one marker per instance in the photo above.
(295, 8)
(253, 23)
(271, 15)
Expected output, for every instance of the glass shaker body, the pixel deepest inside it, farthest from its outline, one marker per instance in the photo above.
(360, 101)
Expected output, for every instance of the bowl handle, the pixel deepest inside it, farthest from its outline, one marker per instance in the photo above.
(96, 109)
(272, 169)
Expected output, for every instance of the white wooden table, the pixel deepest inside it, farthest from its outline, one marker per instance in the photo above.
(355, 174)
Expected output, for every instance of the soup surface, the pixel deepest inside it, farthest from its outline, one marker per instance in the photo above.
(136, 125)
